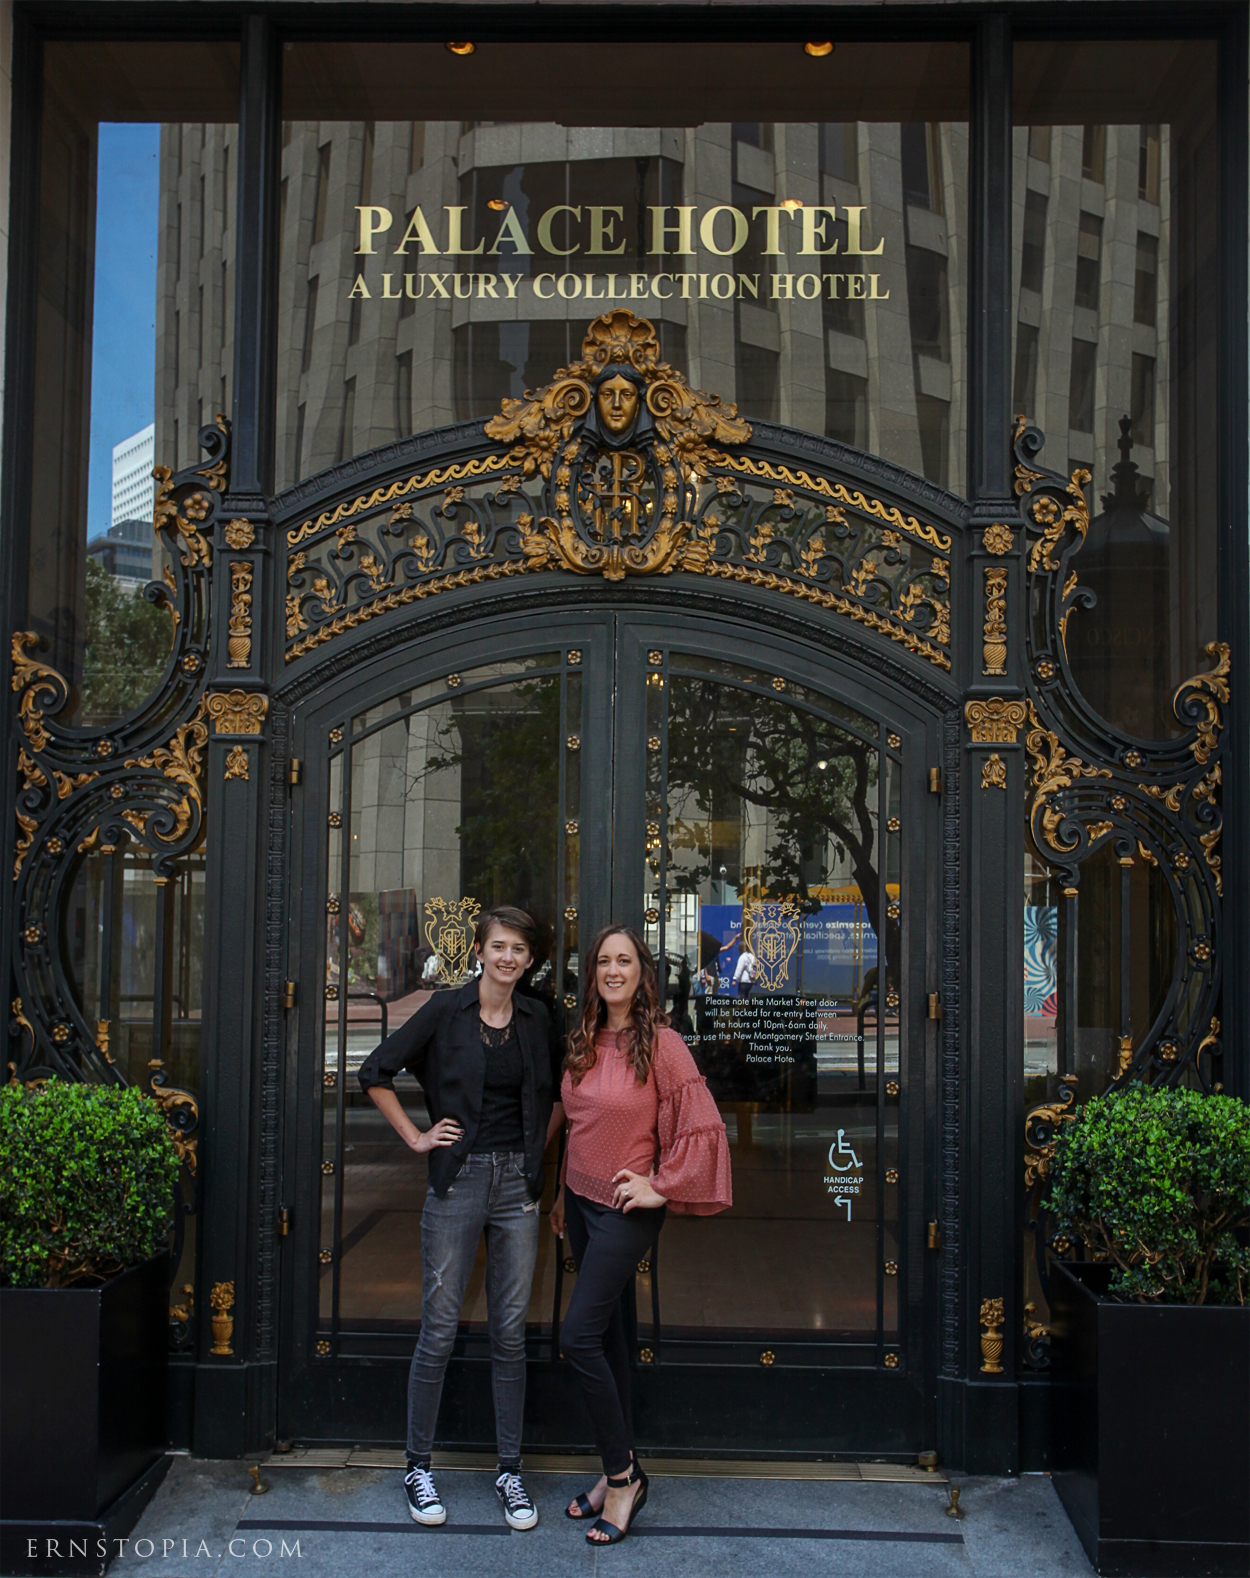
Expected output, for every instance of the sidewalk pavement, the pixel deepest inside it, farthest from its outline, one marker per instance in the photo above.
(353, 1523)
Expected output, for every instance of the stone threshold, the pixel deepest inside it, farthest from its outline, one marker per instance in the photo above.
(574, 1463)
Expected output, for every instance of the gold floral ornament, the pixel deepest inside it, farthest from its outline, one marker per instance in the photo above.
(994, 772)
(185, 519)
(1054, 521)
(997, 538)
(1197, 702)
(38, 686)
(179, 1108)
(1053, 770)
(240, 533)
(181, 762)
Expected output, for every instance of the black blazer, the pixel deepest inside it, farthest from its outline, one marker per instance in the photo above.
(442, 1045)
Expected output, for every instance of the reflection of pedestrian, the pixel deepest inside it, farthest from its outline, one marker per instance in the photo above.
(744, 973)
(681, 998)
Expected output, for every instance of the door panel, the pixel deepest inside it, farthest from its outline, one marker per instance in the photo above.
(770, 804)
(434, 792)
(701, 786)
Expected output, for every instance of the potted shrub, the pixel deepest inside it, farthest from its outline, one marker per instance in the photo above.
(87, 1178)
(1150, 1334)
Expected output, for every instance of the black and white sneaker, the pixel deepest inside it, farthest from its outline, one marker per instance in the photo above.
(518, 1510)
(423, 1503)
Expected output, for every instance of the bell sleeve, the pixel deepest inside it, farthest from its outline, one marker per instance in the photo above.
(694, 1174)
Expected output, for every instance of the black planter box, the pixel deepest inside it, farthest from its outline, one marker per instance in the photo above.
(1150, 1429)
(84, 1419)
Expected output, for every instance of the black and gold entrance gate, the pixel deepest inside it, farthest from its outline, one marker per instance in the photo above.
(719, 791)
(616, 493)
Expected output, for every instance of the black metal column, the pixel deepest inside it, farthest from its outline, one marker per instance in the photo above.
(978, 1409)
(19, 358)
(233, 803)
(236, 1393)
(1234, 552)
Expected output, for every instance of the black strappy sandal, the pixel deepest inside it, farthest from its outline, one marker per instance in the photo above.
(615, 1535)
(585, 1509)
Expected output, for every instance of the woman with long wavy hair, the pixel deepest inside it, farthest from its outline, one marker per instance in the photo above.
(645, 1137)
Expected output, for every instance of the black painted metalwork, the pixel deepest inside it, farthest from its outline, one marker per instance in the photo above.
(1156, 801)
(137, 781)
(147, 781)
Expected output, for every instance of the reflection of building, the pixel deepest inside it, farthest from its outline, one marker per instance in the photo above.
(1091, 271)
(194, 285)
(887, 375)
(1091, 245)
(355, 374)
(125, 551)
(133, 459)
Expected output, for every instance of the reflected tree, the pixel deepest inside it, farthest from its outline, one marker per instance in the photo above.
(126, 647)
(816, 783)
(506, 746)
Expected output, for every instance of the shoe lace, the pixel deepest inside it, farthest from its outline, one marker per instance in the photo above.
(513, 1489)
(422, 1481)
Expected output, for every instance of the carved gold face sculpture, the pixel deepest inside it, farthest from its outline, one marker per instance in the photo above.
(618, 405)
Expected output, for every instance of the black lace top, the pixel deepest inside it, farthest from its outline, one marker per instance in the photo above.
(500, 1127)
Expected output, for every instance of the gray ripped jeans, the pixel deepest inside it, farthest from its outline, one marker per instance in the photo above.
(489, 1194)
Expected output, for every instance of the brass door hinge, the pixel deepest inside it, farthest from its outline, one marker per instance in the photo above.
(935, 1006)
(284, 1220)
(288, 995)
(935, 1235)
(935, 780)
(293, 772)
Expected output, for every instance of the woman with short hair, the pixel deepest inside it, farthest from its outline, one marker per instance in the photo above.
(487, 1059)
(645, 1137)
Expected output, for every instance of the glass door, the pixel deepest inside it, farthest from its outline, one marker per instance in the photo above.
(462, 786)
(773, 835)
(752, 814)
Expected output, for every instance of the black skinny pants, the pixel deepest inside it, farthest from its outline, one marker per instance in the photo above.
(606, 1246)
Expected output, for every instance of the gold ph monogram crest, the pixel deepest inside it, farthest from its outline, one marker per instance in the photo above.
(620, 438)
(772, 934)
(449, 931)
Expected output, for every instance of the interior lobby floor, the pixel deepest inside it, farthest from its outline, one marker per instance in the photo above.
(343, 1522)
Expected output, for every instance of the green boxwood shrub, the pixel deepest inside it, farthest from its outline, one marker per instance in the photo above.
(87, 1179)
(1157, 1181)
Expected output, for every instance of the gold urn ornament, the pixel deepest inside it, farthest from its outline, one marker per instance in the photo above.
(992, 1318)
(222, 1301)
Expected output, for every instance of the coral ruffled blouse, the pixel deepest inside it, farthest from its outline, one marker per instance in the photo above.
(669, 1127)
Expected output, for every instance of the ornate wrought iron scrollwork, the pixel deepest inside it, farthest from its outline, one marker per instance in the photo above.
(619, 468)
(138, 781)
(1093, 786)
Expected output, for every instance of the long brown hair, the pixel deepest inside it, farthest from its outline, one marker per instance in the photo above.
(646, 1013)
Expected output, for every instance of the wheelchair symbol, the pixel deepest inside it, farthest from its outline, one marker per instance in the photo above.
(840, 1147)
